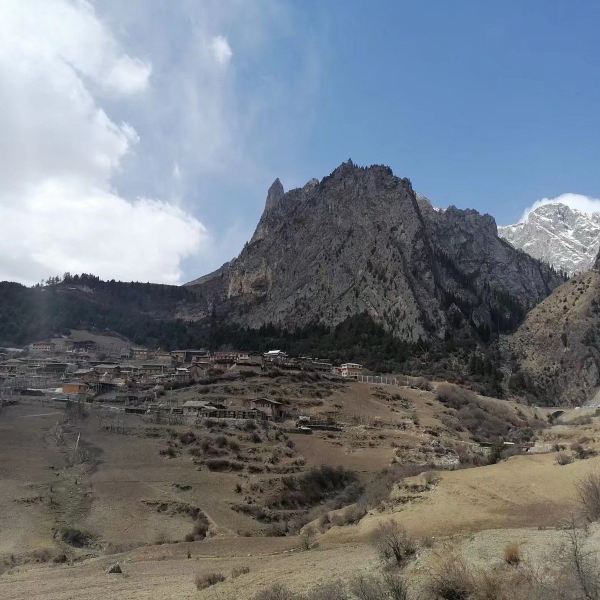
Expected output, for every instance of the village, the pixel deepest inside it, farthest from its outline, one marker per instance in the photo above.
(103, 371)
(115, 454)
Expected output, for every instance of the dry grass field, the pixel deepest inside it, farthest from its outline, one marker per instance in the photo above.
(169, 506)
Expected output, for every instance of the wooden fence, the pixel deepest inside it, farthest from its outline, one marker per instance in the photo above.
(399, 380)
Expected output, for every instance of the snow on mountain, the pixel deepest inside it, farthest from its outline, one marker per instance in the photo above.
(562, 236)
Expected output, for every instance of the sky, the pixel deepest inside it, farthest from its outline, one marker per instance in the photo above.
(139, 138)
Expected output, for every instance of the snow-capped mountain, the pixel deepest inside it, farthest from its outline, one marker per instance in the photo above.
(564, 237)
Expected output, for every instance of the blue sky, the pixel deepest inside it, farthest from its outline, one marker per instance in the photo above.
(491, 106)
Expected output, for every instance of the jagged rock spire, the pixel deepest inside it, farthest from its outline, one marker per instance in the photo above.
(274, 194)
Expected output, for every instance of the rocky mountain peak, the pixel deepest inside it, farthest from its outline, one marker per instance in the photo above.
(361, 242)
(564, 237)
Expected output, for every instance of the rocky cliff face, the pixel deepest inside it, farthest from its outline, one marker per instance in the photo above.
(360, 240)
(559, 235)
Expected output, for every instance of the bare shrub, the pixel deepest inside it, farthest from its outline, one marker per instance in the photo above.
(307, 538)
(189, 437)
(393, 543)
(41, 555)
(223, 464)
(75, 537)
(563, 458)
(367, 587)
(452, 580)
(512, 554)
(208, 579)
(420, 383)
(396, 587)
(200, 529)
(237, 571)
(276, 592)
(328, 591)
(169, 452)
(370, 587)
(581, 452)
(588, 490)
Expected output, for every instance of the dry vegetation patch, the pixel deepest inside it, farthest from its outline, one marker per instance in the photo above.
(203, 581)
(484, 419)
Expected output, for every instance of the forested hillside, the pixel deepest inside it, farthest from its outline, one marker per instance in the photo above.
(140, 311)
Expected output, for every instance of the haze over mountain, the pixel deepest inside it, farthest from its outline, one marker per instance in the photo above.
(562, 236)
(361, 241)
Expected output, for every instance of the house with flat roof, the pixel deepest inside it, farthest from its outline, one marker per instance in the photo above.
(43, 346)
(351, 369)
(74, 387)
(186, 356)
(271, 408)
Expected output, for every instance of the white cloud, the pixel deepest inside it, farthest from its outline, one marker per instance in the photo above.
(221, 51)
(59, 151)
(64, 225)
(128, 75)
(579, 202)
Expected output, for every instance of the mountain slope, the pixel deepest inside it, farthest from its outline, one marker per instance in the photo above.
(556, 351)
(360, 241)
(563, 237)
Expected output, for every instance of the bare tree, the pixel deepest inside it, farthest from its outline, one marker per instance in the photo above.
(583, 563)
(588, 490)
